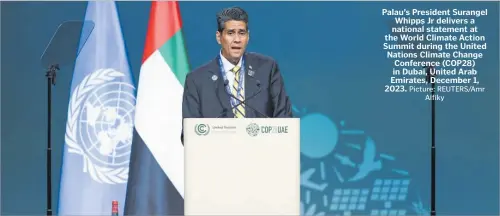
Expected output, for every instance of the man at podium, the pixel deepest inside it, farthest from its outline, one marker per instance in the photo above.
(236, 83)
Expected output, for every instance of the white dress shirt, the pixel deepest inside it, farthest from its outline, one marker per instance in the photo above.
(228, 66)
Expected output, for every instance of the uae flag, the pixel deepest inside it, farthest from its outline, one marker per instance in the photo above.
(156, 176)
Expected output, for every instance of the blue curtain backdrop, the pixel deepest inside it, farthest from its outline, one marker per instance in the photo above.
(357, 141)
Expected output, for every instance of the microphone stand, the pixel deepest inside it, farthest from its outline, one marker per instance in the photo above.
(244, 102)
(433, 141)
(51, 80)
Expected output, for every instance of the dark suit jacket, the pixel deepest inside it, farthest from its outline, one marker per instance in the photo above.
(206, 98)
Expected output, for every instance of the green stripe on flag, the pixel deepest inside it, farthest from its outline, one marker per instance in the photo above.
(174, 53)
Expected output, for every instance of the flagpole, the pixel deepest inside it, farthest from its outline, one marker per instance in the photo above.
(51, 80)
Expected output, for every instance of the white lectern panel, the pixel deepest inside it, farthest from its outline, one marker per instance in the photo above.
(242, 166)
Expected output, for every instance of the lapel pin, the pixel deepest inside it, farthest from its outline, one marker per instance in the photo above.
(214, 77)
(251, 73)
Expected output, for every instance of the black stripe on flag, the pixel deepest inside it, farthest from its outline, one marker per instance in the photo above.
(149, 191)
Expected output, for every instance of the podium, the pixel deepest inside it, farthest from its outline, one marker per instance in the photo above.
(240, 166)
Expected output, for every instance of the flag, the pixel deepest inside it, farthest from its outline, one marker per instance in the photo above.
(100, 120)
(156, 178)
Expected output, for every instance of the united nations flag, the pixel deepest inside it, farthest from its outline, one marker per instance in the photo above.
(100, 120)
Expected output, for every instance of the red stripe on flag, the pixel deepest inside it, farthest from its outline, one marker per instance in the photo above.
(164, 22)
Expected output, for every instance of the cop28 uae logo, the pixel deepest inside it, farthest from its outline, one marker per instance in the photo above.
(201, 129)
(252, 129)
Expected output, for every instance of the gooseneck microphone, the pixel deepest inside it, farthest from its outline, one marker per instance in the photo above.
(223, 113)
(244, 102)
(224, 110)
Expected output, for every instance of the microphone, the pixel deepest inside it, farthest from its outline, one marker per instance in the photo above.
(244, 102)
(224, 110)
(223, 113)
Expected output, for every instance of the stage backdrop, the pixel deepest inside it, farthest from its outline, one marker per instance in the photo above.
(363, 150)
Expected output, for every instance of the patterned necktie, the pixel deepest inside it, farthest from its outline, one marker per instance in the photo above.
(239, 111)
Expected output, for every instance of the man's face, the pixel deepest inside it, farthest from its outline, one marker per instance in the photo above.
(233, 39)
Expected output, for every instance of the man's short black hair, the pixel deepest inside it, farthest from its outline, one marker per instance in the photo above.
(228, 14)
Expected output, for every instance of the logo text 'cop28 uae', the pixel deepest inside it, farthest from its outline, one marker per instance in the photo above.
(254, 129)
(201, 129)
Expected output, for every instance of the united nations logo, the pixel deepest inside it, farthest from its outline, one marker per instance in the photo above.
(100, 125)
(201, 129)
(253, 129)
